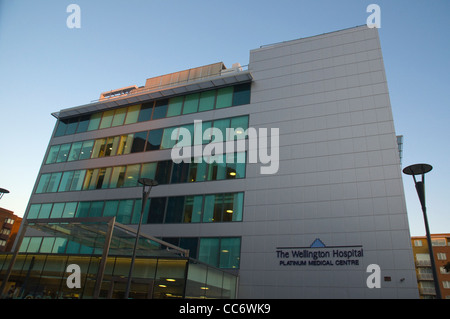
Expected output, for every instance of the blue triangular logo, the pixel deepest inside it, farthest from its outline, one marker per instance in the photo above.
(317, 244)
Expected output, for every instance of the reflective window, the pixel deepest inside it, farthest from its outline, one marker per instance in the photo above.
(132, 114)
(86, 150)
(139, 142)
(241, 94)
(175, 206)
(160, 109)
(175, 105)
(94, 122)
(83, 124)
(75, 151)
(224, 97)
(207, 100)
(156, 213)
(132, 175)
(107, 119)
(119, 117)
(146, 112)
(52, 154)
(191, 103)
(63, 153)
(154, 140)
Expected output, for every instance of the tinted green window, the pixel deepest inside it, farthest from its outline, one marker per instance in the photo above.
(83, 124)
(57, 210)
(160, 109)
(45, 210)
(207, 100)
(72, 247)
(222, 125)
(61, 129)
(193, 209)
(71, 126)
(175, 105)
(24, 245)
(34, 211)
(167, 141)
(86, 149)
(146, 112)
(137, 211)
(47, 244)
(191, 103)
(96, 209)
(239, 125)
(148, 170)
(83, 209)
(224, 97)
(94, 121)
(117, 177)
(230, 251)
(69, 210)
(59, 246)
(66, 181)
(125, 211)
(111, 208)
(52, 154)
(208, 208)
(54, 182)
(77, 180)
(209, 251)
(63, 153)
(180, 172)
(34, 244)
(75, 151)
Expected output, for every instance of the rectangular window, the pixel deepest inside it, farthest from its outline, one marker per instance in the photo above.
(86, 149)
(154, 140)
(125, 144)
(156, 213)
(224, 97)
(54, 182)
(180, 173)
(63, 153)
(146, 112)
(96, 209)
(139, 142)
(111, 207)
(99, 148)
(148, 170)
(45, 210)
(66, 181)
(119, 117)
(69, 210)
(132, 175)
(74, 154)
(209, 251)
(193, 209)
(109, 146)
(83, 209)
(160, 109)
(83, 124)
(239, 125)
(61, 129)
(34, 211)
(207, 100)
(52, 154)
(125, 211)
(163, 169)
(230, 251)
(57, 210)
(117, 177)
(208, 209)
(191, 103)
(94, 121)
(167, 141)
(241, 94)
(175, 208)
(107, 118)
(175, 105)
(77, 180)
(47, 244)
(132, 114)
(72, 125)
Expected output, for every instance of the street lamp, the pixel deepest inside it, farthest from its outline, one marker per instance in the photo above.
(422, 169)
(3, 192)
(146, 182)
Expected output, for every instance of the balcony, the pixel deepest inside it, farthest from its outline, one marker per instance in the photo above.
(423, 263)
(427, 291)
(425, 277)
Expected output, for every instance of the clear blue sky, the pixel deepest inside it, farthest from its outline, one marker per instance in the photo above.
(45, 67)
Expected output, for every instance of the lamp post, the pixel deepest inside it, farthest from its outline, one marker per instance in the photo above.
(422, 169)
(3, 192)
(146, 182)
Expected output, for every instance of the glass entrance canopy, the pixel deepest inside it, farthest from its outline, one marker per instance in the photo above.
(39, 266)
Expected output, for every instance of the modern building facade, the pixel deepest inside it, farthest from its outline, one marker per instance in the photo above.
(313, 198)
(441, 252)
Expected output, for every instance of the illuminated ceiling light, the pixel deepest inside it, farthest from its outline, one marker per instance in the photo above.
(162, 286)
(204, 288)
(225, 251)
(229, 211)
(170, 279)
(232, 173)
